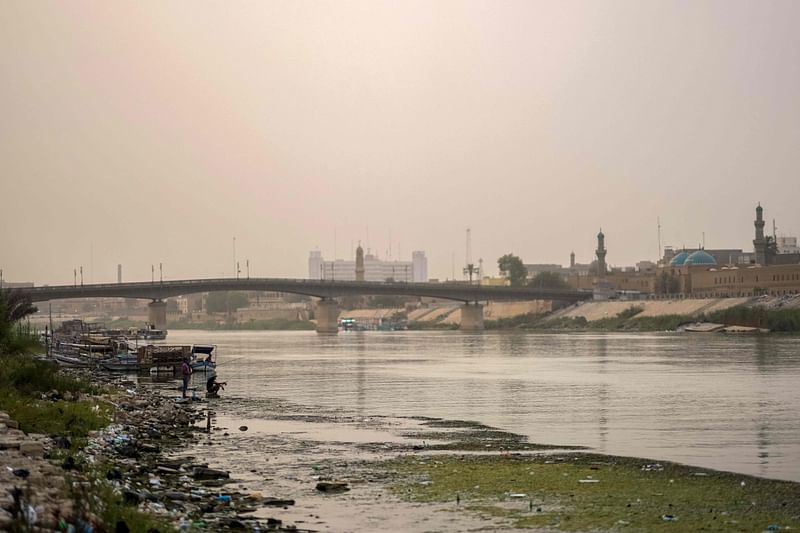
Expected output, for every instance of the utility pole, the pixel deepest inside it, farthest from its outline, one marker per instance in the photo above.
(247, 262)
(74, 277)
(234, 256)
(152, 273)
(81, 275)
(1, 278)
(237, 269)
(161, 273)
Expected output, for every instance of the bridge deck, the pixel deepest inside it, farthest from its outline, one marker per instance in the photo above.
(317, 288)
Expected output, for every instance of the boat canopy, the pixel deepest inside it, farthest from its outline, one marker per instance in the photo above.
(202, 348)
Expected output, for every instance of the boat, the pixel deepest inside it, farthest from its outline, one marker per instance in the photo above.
(203, 358)
(153, 334)
(122, 362)
(71, 359)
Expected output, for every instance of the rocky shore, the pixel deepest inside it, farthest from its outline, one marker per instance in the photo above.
(125, 471)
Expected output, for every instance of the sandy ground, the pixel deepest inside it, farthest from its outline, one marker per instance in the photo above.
(285, 451)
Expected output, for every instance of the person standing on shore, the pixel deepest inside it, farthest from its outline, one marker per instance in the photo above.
(186, 373)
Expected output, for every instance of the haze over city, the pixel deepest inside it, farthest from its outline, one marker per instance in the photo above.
(156, 133)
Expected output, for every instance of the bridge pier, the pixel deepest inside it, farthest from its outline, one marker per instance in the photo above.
(157, 314)
(327, 315)
(471, 317)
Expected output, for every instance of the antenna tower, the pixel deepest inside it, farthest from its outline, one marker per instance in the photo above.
(658, 220)
(470, 269)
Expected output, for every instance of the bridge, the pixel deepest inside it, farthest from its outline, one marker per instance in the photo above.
(327, 309)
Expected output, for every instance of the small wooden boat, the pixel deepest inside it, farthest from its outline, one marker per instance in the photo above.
(203, 358)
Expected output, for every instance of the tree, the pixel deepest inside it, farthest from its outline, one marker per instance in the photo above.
(548, 280)
(14, 307)
(511, 268)
(222, 302)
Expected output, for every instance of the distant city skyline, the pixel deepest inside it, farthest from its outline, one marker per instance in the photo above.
(133, 135)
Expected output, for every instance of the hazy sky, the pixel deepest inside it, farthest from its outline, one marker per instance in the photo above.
(147, 132)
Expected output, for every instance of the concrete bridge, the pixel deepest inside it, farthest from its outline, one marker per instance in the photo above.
(327, 308)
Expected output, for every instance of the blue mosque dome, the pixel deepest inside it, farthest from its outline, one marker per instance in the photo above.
(700, 257)
(679, 259)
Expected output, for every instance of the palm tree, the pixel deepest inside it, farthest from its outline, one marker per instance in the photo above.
(14, 306)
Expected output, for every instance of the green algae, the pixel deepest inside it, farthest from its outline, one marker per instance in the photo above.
(586, 492)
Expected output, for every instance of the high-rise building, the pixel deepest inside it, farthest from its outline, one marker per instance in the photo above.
(360, 263)
(419, 266)
(315, 268)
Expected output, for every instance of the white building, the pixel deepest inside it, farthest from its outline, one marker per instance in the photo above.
(419, 266)
(315, 265)
(787, 245)
(375, 269)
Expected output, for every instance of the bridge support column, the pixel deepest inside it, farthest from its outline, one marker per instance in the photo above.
(327, 314)
(471, 317)
(157, 314)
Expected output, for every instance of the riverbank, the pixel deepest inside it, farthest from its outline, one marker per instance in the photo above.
(95, 452)
(164, 464)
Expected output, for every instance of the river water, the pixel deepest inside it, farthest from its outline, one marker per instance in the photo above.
(726, 402)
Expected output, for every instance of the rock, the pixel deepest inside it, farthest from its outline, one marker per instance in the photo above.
(61, 442)
(148, 448)
(31, 448)
(113, 474)
(209, 473)
(276, 502)
(9, 444)
(232, 523)
(131, 497)
(176, 496)
(332, 486)
(69, 463)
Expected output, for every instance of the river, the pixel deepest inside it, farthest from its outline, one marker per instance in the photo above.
(726, 402)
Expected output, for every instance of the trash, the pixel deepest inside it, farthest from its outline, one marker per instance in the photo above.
(773, 527)
(669, 518)
(517, 495)
(21, 473)
(243, 428)
(223, 498)
(653, 467)
(588, 481)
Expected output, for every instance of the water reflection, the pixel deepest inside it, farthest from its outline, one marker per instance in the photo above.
(726, 402)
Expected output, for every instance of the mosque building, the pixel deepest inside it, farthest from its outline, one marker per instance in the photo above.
(701, 273)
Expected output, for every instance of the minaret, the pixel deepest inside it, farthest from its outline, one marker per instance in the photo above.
(760, 243)
(601, 254)
(572, 259)
(359, 263)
